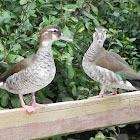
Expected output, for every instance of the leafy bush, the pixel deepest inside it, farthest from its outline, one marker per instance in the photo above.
(22, 20)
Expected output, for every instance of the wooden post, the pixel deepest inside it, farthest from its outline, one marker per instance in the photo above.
(70, 117)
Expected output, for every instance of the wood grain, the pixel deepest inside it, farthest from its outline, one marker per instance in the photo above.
(70, 117)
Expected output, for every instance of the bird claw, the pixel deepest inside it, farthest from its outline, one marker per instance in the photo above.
(98, 96)
(101, 95)
(111, 94)
(29, 108)
(34, 104)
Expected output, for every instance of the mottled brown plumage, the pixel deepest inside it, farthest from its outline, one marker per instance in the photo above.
(33, 74)
(115, 63)
(107, 67)
(23, 64)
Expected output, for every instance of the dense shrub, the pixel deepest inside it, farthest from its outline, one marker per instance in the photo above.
(22, 20)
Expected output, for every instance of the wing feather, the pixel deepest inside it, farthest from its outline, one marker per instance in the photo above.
(23, 64)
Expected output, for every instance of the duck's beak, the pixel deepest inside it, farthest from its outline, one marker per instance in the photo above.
(62, 37)
(100, 37)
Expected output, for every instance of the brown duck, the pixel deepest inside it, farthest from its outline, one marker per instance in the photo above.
(108, 68)
(33, 74)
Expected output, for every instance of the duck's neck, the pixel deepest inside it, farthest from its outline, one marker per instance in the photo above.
(93, 51)
(44, 52)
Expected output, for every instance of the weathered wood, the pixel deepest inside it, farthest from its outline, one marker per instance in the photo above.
(70, 117)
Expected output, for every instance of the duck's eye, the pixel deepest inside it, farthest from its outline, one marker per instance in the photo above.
(54, 31)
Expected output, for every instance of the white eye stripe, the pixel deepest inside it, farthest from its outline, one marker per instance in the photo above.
(52, 30)
(45, 33)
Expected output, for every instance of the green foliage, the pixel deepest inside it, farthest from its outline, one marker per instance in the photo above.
(22, 20)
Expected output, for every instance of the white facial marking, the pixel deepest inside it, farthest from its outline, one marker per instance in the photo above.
(52, 29)
(45, 33)
(1, 83)
(54, 37)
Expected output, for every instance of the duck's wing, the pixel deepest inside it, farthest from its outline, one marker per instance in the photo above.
(117, 64)
(23, 64)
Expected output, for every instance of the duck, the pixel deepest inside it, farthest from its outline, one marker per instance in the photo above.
(108, 68)
(34, 73)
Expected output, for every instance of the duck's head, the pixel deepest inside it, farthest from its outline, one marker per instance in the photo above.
(52, 33)
(99, 34)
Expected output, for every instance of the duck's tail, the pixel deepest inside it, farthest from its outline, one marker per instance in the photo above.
(135, 83)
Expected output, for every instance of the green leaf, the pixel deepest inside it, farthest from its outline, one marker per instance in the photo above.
(116, 14)
(52, 12)
(91, 138)
(67, 99)
(80, 27)
(32, 5)
(87, 15)
(70, 49)
(122, 18)
(46, 5)
(80, 3)
(132, 39)
(91, 17)
(7, 16)
(71, 72)
(2, 92)
(75, 19)
(112, 128)
(18, 58)
(46, 101)
(28, 26)
(94, 9)
(10, 5)
(10, 58)
(22, 2)
(4, 99)
(125, 11)
(74, 90)
(67, 32)
(16, 47)
(15, 101)
(83, 88)
(119, 43)
(110, 6)
(60, 44)
(1, 47)
(71, 139)
(70, 7)
(100, 135)
(55, 52)
(1, 20)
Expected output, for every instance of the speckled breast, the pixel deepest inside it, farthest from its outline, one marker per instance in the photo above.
(104, 76)
(31, 80)
(99, 74)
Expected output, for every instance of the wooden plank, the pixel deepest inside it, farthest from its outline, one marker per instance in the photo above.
(70, 117)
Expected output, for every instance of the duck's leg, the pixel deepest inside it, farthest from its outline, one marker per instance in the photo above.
(101, 93)
(28, 108)
(114, 92)
(33, 102)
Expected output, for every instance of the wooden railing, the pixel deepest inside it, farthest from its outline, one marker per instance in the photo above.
(70, 117)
